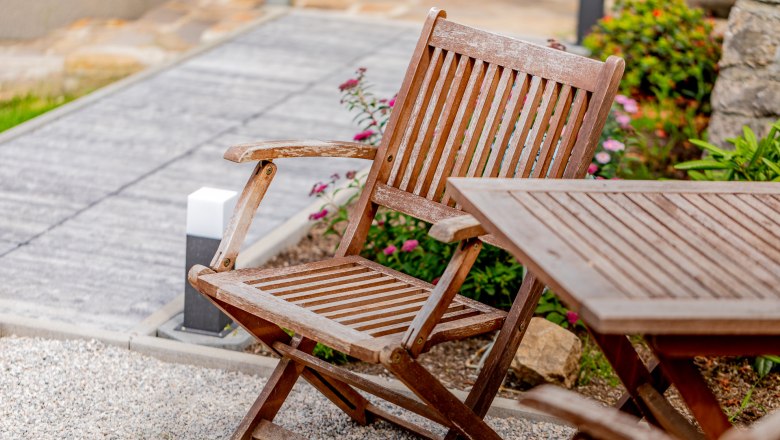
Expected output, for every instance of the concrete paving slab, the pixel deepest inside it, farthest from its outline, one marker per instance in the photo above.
(94, 201)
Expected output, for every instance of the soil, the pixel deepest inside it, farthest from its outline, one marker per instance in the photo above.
(731, 379)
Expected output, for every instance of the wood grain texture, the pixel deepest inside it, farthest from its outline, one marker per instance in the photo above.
(267, 150)
(588, 416)
(644, 257)
(455, 229)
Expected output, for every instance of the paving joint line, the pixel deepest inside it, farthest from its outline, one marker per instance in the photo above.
(230, 130)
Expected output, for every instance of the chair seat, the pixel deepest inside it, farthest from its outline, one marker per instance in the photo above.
(348, 303)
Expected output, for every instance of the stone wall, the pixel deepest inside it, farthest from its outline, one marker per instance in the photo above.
(747, 91)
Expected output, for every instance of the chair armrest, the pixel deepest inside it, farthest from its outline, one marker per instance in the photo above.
(598, 421)
(267, 150)
(456, 229)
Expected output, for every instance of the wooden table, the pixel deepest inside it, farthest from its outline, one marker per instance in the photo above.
(692, 266)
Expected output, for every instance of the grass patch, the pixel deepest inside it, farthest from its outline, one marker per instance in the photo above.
(17, 110)
(594, 364)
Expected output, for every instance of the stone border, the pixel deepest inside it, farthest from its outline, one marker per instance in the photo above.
(272, 13)
(208, 357)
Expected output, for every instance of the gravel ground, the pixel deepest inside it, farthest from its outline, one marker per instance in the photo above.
(85, 389)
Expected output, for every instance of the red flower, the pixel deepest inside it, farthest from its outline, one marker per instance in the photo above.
(349, 84)
(409, 245)
(435, 281)
(318, 188)
(351, 174)
(572, 317)
(363, 135)
(391, 102)
(657, 13)
(318, 215)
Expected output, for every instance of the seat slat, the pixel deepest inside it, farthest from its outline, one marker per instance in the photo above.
(374, 297)
(391, 303)
(310, 276)
(746, 214)
(772, 214)
(321, 283)
(355, 288)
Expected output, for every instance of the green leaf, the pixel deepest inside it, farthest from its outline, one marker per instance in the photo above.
(703, 164)
(763, 366)
(709, 147)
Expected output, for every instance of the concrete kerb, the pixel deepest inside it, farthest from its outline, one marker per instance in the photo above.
(272, 13)
(208, 357)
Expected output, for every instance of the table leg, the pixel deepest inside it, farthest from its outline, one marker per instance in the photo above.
(697, 395)
(643, 386)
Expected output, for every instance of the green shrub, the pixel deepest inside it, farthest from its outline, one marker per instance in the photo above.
(751, 159)
(669, 49)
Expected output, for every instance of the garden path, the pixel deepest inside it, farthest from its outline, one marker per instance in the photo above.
(93, 203)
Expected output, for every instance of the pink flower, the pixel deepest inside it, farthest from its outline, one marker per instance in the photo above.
(390, 250)
(603, 157)
(318, 215)
(592, 168)
(622, 99)
(351, 174)
(631, 106)
(409, 245)
(363, 135)
(572, 317)
(623, 120)
(391, 102)
(318, 188)
(661, 133)
(349, 84)
(613, 145)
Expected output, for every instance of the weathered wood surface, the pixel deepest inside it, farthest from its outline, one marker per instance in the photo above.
(645, 257)
(88, 199)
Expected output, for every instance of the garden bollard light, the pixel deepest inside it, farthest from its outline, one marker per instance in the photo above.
(589, 13)
(208, 213)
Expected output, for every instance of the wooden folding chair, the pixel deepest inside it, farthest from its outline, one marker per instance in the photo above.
(472, 104)
(603, 423)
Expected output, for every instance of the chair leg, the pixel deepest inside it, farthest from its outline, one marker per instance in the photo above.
(341, 394)
(274, 392)
(503, 351)
(432, 392)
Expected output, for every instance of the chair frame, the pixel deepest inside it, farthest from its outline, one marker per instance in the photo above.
(435, 401)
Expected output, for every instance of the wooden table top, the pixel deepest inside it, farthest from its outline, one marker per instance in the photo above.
(651, 257)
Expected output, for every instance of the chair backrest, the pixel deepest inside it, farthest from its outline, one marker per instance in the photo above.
(477, 104)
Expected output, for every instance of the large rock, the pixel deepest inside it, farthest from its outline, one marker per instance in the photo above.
(747, 91)
(548, 354)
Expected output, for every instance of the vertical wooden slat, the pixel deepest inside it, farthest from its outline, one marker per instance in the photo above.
(523, 126)
(438, 147)
(507, 126)
(528, 159)
(429, 124)
(553, 133)
(415, 118)
(570, 131)
(455, 136)
(466, 151)
(492, 123)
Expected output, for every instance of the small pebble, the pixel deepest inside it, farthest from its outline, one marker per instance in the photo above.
(84, 389)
